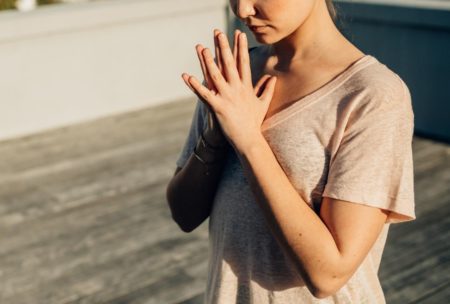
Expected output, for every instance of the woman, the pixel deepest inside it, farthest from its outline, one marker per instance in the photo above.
(300, 154)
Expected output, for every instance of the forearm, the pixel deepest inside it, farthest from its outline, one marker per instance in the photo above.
(191, 191)
(298, 229)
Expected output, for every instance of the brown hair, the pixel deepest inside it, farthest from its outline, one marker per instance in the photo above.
(331, 9)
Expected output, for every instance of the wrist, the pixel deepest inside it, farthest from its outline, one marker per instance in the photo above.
(250, 144)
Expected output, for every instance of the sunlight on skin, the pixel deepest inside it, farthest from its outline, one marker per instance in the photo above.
(323, 246)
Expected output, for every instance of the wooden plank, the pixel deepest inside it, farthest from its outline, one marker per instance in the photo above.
(67, 185)
(438, 294)
(408, 288)
(96, 236)
(197, 299)
(61, 190)
(82, 147)
(102, 281)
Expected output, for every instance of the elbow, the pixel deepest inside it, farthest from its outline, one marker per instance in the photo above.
(323, 290)
(317, 283)
(177, 213)
(320, 293)
(171, 198)
(318, 290)
(326, 284)
(182, 224)
(183, 227)
(328, 287)
(324, 280)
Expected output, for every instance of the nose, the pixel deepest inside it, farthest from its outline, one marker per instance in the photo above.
(244, 8)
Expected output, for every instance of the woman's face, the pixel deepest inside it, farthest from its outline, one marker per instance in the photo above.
(279, 18)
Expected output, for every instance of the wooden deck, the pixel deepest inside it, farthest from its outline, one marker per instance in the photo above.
(84, 219)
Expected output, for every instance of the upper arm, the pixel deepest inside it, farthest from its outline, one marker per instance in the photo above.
(355, 227)
(370, 181)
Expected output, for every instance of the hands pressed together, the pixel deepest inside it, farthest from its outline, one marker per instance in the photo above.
(238, 107)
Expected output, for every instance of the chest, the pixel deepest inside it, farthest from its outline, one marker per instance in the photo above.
(291, 87)
(289, 90)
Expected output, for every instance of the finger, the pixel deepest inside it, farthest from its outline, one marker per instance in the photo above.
(209, 84)
(229, 64)
(269, 89)
(185, 77)
(216, 76)
(244, 60)
(204, 92)
(186, 81)
(235, 45)
(217, 50)
(257, 90)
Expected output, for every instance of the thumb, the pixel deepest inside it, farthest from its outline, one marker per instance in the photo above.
(269, 89)
(258, 87)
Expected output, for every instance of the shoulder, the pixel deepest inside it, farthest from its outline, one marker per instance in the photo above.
(378, 86)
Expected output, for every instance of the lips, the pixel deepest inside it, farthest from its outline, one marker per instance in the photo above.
(257, 28)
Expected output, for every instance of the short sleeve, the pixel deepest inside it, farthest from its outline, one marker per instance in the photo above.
(198, 124)
(373, 164)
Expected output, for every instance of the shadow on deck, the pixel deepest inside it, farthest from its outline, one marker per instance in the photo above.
(84, 218)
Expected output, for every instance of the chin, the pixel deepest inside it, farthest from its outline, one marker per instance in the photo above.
(264, 38)
(268, 37)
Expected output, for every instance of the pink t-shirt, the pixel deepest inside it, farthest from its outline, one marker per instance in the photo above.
(352, 140)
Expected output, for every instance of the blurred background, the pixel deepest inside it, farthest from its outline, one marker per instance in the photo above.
(94, 113)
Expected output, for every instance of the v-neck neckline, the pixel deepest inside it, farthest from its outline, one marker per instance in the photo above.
(318, 93)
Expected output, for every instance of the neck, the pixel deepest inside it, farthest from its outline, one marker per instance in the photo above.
(315, 38)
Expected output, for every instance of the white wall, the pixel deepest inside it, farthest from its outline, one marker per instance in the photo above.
(68, 63)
